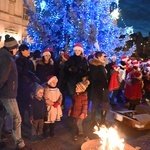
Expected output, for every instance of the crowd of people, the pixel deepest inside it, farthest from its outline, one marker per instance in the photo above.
(39, 83)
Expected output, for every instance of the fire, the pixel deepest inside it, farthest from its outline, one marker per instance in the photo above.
(110, 139)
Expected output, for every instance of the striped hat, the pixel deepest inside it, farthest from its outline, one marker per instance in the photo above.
(10, 42)
(83, 85)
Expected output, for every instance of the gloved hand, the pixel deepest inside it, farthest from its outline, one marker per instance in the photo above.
(56, 104)
(82, 116)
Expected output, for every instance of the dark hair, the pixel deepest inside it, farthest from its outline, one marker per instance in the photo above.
(99, 54)
(23, 47)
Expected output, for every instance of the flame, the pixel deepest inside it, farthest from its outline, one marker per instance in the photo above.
(110, 139)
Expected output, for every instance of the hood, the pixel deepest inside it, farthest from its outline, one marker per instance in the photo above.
(95, 62)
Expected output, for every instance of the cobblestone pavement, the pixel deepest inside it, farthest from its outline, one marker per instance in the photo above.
(64, 138)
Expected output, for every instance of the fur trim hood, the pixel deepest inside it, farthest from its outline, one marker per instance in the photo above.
(95, 62)
(41, 62)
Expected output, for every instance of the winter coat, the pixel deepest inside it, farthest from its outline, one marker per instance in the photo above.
(114, 81)
(80, 105)
(134, 89)
(8, 75)
(76, 67)
(52, 95)
(26, 77)
(37, 109)
(98, 80)
(44, 70)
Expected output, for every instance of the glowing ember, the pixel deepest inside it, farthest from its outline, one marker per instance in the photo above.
(110, 139)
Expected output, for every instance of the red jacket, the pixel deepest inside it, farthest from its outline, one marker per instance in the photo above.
(114, 81)
(135, 89)
(80, 105)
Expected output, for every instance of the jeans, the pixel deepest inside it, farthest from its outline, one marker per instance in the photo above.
(77, 126)
(11, 107)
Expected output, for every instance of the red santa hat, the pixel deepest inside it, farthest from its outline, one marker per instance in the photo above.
(50, 79)
(137, 75)
(135, 63)
(129, 61)
(78, 46)
(46, 52)
(124, 58)
(66, 56)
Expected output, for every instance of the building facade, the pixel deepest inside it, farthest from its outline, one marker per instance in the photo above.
(13, 19)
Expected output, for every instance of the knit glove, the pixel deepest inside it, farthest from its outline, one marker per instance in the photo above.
(56, 104)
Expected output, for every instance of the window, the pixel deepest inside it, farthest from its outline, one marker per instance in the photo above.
(25, 16)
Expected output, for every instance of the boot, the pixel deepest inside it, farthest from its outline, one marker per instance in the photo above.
(103, 117)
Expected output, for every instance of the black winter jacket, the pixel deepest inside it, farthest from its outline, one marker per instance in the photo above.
(8, 75)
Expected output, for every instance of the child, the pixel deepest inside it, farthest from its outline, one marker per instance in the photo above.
(37, 112)
(136, 89)
(79, 107)
(53, 99)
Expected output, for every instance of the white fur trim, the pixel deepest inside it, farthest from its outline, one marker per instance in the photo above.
(46, 53)
(78, 48)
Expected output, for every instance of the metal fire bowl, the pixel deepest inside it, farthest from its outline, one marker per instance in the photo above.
(95, 144)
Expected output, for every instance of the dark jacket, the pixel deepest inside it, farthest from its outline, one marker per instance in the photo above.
(98, 79)
(76, 67)
(37, 109)
(44, 70)
(8, 75)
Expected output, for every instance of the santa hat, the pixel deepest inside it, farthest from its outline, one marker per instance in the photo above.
(66, 56)
(135, 63)
(50, 79)
(124, 58)
(46, 52)
(78, 46)
(129, 61)
(83, 85)
(115, 67)
(137, 75)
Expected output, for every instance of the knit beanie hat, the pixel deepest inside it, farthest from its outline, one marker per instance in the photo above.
(83, 85)
(50, 79)
(36, 88)
(10, 42)
(46, 52)
(78, 46)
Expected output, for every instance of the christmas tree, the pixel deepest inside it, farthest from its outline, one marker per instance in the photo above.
(62, 23)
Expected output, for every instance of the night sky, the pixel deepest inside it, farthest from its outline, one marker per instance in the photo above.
(135, 13)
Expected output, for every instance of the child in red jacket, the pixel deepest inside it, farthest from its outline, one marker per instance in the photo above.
(79, 107)
(136, 89)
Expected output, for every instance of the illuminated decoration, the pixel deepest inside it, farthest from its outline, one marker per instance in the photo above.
(61, 24)
(43, 5)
